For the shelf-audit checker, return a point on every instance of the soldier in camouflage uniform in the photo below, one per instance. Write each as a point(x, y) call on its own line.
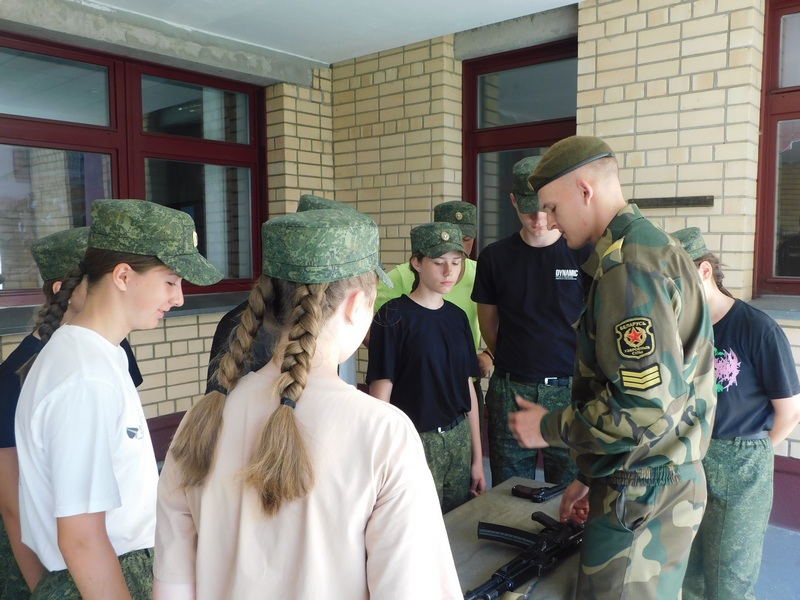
point(88, 474)
point(421, 359)
point(643, 395)
point(758, 406)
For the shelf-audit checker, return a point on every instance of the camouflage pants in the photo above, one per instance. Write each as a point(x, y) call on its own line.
point(726, 554)
point(637, 538)
point(12, 583)
point(506, 458)
point(449, 457)
point(137, 566)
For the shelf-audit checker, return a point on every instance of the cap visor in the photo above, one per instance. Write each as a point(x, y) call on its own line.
point(384, 277)
point(194, 268)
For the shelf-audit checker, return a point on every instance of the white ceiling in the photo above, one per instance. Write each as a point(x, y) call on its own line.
point(329, 30)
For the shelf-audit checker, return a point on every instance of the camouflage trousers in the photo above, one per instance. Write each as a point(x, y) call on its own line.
point(637, 537)
point(449, 457)
point(12, 583)
point(506, 458)
point(137, 567)
point(726, 554)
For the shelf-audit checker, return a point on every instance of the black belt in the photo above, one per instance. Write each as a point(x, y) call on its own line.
point(452, 425)
point(556, 381)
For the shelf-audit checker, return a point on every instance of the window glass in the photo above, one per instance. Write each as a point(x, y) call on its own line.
point(540, 92)
point(787, 204)
point(45, 87)
point(43, 190)
point(218, 198)
point(178, 108)
point(790, 51)
point(497, 218)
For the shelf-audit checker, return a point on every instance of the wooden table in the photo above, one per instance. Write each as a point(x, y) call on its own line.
point(476, 560)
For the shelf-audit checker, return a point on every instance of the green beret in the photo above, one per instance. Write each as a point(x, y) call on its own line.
point(149, 229)
point(58, 253)
point(567, 155)
point(311, 202)
point(527, 199)
point(435, 239)
point(320, 246)
point(461, 214)
point(692, 241)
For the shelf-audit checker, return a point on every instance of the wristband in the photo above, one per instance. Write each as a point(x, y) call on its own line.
point(489, 354)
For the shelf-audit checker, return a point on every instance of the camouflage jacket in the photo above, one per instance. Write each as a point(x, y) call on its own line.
point(643, 389)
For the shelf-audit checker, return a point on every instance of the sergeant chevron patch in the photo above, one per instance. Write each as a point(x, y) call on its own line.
point(641, 380)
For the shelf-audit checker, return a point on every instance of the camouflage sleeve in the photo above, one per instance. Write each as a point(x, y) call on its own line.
point(399, 276)
point(629, 371)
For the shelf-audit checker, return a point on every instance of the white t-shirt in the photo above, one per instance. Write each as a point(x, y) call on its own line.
point(370, 528)
point(83, 445)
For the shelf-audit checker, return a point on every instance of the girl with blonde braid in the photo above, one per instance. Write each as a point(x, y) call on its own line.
point(295, 484)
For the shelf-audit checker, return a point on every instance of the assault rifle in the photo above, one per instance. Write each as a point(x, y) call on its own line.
point(541, 553)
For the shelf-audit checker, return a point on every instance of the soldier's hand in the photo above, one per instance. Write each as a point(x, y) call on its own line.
point(575, 503)
point(525, 424)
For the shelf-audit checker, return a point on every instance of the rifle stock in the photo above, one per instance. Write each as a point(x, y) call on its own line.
point(541, 553)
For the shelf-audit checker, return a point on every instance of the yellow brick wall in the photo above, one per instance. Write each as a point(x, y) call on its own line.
point(397, 139)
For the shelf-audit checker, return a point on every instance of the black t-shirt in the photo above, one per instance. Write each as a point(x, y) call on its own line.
point(10, 385)
point(429, 357)
point(753, 365)
point(539, 294)
point(261, 352)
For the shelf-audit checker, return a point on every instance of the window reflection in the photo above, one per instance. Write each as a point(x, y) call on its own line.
point(43, 190)
point(217, 197)
point(787, 201)
point(178, 108)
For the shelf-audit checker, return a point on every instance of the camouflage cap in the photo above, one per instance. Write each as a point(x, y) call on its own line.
point(149, 229)
point(320, 246)
point(565, 156)
point(58, 253)
point(435, 239)
point(692, 241)
point(461, 214)
point(311, 202)
point(527, 199)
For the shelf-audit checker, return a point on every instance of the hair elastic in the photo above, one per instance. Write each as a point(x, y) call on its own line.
point(82, 267)
point(288, 402)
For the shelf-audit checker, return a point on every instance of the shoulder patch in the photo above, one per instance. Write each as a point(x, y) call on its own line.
point(635, 337)
point(641, 380)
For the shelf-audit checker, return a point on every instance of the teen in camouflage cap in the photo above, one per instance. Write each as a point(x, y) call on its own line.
point(58, 253)
point(149, 229)
point(527, 199)
point(462, 214)
point(692, 241)
point(434, 239)
point(311, 202)
point(321, 245)
point(565, 156)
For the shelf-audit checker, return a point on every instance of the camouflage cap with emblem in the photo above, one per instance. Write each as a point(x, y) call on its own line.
point(565, 156)
point(527, 199)
point(692, 241)
point(435, 239)
point(320, 246)
point(58, 253)
point(461, 214)
point(149, 229)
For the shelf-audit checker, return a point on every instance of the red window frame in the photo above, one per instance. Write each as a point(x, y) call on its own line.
point(507, 137)
point(128, 145)
point(778, 104)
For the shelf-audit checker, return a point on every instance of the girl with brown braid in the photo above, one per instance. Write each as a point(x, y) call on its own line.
point(87, 470)
point(295, 484)
point(57, 257)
